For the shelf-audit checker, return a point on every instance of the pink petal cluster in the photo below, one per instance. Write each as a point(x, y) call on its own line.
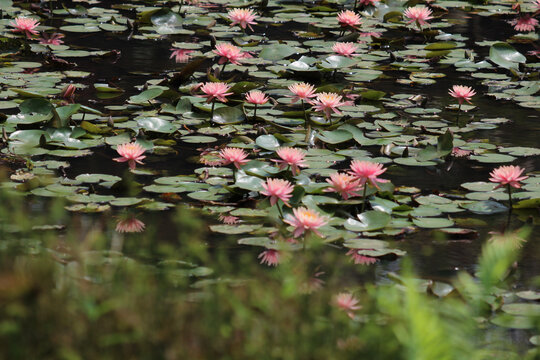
point(361, 259)
point(228, 219)
point(348, 18)
point(181, 55)
point(328, 102)
point(130, 152)
point(278, 189)
point(344, 184)
point(52, 39)
point(68, 92)
point(367, 171)
point(507, 175)
point(130, 225)
point(302, 91)
point(418, 14)
point(347, 302)
point(231, 53)
point(291, 157)
point(305, 220)
point(345, 49)
point(525, 23)
point(242, 17)
point(256, 97)
point(462, 93)
point(270, 257)
point(234, 156)
point(215, 90)
point(25, 25)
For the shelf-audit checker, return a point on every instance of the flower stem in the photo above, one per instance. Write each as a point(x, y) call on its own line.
point(280, 212)
point(255, 113)
point(364, 198)
point(223, 68)
point(212, 111)
point(509, 195)
point(458, 113)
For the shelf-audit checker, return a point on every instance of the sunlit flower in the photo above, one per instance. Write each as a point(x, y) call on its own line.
point(278, 189)
point(367, 171)
point(291, 157)
point(234, 156)
point(345, 184)
point(130, 152)
point(328, 102)
point(347, 302)
point(25, 25)
point(256, 97)
point(270, 257)
point(507, 175)
point(462, 93)
point(361, 259)
point(345, 49)
point(525, 23)
point(349, 18)
point(228, 219)
point(229, 52)
point(242, 17)
point(52, 39)
point(215, 90)
point(302, 91)
point(305, 220)
point(181, 55)
point(130, 225)
point(418, 15)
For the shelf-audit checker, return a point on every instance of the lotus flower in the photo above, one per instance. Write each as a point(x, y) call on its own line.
point(25, 25)
point(270, 257)
point(507, 175)
point(181, 55)
point(256, 97)
point(302, 91)
point(229, 52)
point(418, 15)
point(462, 93)
point(278, 189)
point(361, 259)
point(367, 171)
point(52, 39)
point(347, 302)
point(305, 220)
point(345, 185)
point(328, 102)
point(132, 153)
point(291, 157)
point(345, 49)
point(130, 225)
point(234, 156)
point(525, 23)
point(215, 90)
point(349, 18)
point(243, 17)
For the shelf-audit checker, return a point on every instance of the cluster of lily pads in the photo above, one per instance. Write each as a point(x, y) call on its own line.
point(331, 64)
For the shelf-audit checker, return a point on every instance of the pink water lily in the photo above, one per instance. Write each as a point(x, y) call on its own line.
point(348, 18)
point(525, 23)
point(215, 90)
point(231, 53)
point(270, 257)
point(347, 302)
point(130, 152)
point(418, 14)
point(256, 97)
point(361, 259)
point(181, 55)
point(302, 91)
point(291, 157)
point(328, 102)
point(305, 220)
point(366, 171)
point(242, 17)
point(507, 175)
point(51, 39)
point(25, 25)
point(344, 184)
point(462, 93)
point(130, 225)
point(278, 189)
point(234, 156)
point(345, 49)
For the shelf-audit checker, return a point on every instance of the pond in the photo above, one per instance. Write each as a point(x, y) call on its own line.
point(275, 179)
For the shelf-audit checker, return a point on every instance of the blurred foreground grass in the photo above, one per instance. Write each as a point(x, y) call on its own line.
point(90, 292)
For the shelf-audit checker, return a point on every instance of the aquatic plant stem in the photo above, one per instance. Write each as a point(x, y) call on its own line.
point(255, 113)
point(458, 113)
point(223, 68)
point(364, 198)
point(280, 212)
point(212, 111)
point(509, 195)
